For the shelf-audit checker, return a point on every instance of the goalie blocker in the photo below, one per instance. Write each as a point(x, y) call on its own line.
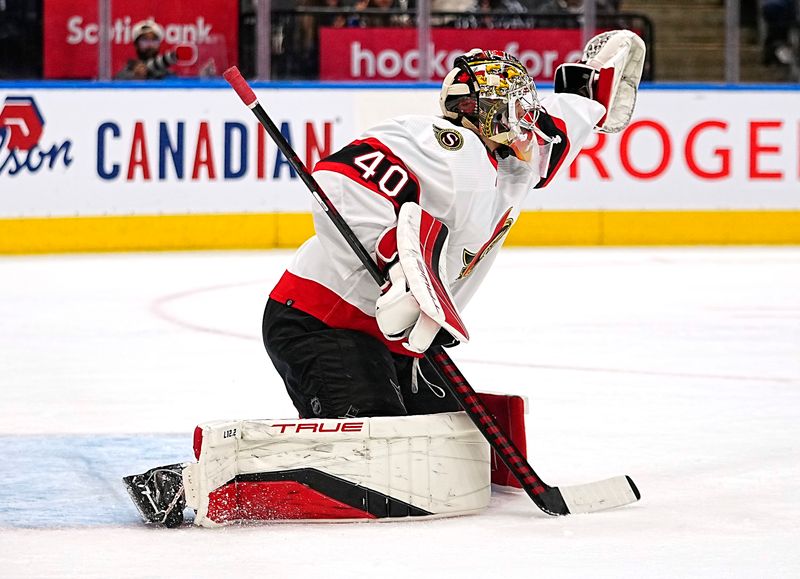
point(416, 303)
point(435, 465)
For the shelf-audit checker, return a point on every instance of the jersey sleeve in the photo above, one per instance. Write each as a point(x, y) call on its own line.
point(367, 182)
point(571, 119)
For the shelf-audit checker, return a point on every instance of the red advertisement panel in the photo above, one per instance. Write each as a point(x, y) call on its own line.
point(391, 53)
point(71, 35)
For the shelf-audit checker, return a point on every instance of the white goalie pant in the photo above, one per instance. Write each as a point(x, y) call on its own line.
point(338, 469)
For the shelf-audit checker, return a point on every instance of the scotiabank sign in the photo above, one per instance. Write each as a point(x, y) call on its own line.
point(72, 34)
point(392, 53)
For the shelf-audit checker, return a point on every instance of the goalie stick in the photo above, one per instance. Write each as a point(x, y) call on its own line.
point(596, 496)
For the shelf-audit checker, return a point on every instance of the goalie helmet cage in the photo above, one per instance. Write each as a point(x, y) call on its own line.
point(600, 495)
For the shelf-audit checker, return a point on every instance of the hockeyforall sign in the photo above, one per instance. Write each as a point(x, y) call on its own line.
point(72, 33)
point(392, 53)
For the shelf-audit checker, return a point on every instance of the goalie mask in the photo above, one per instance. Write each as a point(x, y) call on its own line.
point(490, 92)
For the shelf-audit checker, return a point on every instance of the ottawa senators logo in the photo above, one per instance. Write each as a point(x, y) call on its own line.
point(449, 139)
point(471, 260)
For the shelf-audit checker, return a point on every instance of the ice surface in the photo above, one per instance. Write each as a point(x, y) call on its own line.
point(680, 368)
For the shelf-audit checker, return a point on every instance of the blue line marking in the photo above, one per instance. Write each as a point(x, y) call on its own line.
point(206, 84)
point(22, 85)
point(76, 481)
point(678, 86)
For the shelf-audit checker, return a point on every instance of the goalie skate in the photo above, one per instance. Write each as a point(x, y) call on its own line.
point(158, 494)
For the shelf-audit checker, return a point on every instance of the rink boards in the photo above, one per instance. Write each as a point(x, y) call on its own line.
point(103, 167)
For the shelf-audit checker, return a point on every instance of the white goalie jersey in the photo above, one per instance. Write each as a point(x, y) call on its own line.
point(448, 171)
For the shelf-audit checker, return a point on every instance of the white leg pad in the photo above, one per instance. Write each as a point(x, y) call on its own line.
point(367, 468)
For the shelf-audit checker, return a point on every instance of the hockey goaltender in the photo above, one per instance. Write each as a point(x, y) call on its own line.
point(379, 434)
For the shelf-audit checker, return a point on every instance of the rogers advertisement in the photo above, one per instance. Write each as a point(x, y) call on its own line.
point(71, 35)
point(392, 54)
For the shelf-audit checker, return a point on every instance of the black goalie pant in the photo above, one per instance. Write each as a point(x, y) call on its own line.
point(334, 373)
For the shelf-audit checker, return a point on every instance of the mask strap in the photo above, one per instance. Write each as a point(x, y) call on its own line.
point(474, 85)
point(545, 137)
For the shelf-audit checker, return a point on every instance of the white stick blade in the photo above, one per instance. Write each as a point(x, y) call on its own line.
point(600, 495)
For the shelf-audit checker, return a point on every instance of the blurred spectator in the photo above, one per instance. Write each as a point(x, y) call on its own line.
point(332, 20)
point(371, 20)
point(779, 18)
point(749, 13)
point(571, 6)
point(455, 7)
point(545, 6)
point(20, 39)
point(509, 8)
point(148, 64)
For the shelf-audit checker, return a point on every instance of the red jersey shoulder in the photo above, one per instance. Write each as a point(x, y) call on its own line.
point(372, 164)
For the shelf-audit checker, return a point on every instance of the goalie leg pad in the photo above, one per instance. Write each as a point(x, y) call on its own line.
point(370, 468)
point(509, 413)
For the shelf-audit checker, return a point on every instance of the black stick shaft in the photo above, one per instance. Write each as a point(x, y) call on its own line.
point(547, 498)
point(318, 193)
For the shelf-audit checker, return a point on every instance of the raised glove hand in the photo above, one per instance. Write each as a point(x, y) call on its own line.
point(609, 73)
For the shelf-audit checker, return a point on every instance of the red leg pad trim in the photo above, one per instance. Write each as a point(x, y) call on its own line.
point(198, 441)
point(509, 413)
point(265, 501)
